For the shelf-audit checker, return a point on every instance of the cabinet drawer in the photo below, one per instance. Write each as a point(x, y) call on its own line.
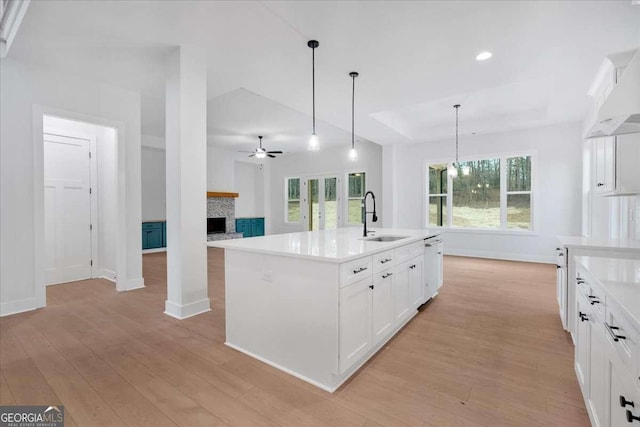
point(352, 271)
point(383, 260)
point(623, 337)
point(593, 293)
point(406, 252)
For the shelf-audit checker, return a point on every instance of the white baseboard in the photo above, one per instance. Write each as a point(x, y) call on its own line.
point(182, 312)
point(506, 256)
point(19, 306)
point(153, 251)
point(108, 274)
point(130, 284)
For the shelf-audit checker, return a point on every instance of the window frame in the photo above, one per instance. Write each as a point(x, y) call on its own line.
point(287, 199)
point(503, 229)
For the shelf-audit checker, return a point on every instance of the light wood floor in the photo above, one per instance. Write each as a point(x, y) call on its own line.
point(488, 351)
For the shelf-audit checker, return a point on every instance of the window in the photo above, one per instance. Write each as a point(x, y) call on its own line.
point(356, 192)
point(438, 194)
point(519, 192)
point(496, 194)
point(293, 200)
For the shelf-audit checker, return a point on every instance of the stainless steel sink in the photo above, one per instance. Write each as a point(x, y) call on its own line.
point(386, 238)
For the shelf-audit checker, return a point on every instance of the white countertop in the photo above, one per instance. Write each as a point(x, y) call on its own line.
point(603, 244)
point(339, 245)
point(621, 280)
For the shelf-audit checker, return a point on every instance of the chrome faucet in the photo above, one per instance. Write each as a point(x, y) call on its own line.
point(374, 218)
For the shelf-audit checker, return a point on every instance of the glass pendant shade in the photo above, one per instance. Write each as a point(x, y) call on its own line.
point(452, 171)
point(314, 143)
point(353, 155)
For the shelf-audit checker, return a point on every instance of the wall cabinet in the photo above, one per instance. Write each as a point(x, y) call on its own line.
point(250, 227)
point(616, 169)
point(154, 235)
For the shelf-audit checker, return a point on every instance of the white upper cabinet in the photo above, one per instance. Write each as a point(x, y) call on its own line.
point(617, 165)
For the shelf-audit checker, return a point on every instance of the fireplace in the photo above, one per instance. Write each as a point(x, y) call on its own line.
point(216, 225)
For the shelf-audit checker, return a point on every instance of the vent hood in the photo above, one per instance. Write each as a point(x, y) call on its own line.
point(620, 112)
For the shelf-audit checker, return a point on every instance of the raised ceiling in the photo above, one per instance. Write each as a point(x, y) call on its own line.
point(415, 59)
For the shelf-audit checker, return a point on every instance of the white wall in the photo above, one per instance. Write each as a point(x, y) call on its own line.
point(245, 186)
point(154, 194)
point(326, 161)
point(25, 90)
point(557, 197)
point(105, 189)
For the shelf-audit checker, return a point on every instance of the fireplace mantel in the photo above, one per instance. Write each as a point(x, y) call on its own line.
point(221, 194)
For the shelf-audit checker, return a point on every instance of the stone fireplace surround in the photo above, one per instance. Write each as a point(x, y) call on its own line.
point(223, 205)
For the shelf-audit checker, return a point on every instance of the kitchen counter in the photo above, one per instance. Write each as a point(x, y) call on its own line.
point(339, 245)
point(620, 279)
point(601, 244)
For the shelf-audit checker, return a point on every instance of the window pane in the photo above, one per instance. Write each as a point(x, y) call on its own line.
point(293, 211)
point(330, 203)
point(355, 211)
point(519, 211)
point(356, 184)
point(438, 179)
point(519, 174)
point(294, 188)
point(438, 210)
point(476, 197)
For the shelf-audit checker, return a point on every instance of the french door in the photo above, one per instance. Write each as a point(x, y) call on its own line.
point(322, 202)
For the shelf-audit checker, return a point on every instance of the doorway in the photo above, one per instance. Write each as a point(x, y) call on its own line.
point(322, 202)
point(80, 200)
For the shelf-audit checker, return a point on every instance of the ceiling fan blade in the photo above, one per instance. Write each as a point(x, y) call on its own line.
point(244, 151)
point(251, 155)
point(274, 152)
point(271, 155)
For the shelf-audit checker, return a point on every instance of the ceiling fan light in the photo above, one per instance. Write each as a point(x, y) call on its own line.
point(353, 154)
point(314, 143)
point(261, 154)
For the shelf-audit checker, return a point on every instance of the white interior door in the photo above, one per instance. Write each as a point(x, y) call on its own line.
point(322, 202)
point(67, 209)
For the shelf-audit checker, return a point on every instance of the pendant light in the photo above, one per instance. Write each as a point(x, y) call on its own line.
point(314, 142)
point(453, 168)
point(353, 153)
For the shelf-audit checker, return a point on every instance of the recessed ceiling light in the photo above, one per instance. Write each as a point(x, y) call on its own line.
point(484, 56)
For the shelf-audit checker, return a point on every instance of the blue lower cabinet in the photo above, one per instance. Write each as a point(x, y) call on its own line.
point(250, 227)
point(257, 227)
point(153, 235)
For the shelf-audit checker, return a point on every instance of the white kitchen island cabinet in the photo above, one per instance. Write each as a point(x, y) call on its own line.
point(319, 304)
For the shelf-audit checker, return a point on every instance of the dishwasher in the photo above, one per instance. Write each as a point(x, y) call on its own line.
point(433, 271)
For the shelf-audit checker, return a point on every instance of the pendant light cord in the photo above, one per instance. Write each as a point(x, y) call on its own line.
point(353, 109)
point(313, 86)
point(456, 107)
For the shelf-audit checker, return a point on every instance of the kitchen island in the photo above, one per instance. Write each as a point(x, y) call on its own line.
point(319, 304)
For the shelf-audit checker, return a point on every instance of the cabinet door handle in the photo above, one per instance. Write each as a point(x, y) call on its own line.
point(583, 316)
point(631, 418)
point(612, 330)
point(384, 276)
point(412, 266)
point(624, 402)
point(359, 270)
point(371, 286)
point(594, 299)
point(600, 184)
point(384, 261)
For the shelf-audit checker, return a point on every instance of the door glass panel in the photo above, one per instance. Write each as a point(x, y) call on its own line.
point(314, 206)
point(330, 203)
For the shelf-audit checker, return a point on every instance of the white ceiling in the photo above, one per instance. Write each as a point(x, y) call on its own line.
point(416, 59)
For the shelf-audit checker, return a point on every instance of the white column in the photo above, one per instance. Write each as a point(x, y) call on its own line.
point(186, 158)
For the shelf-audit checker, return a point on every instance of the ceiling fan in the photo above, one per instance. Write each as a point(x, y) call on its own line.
point(261, 153)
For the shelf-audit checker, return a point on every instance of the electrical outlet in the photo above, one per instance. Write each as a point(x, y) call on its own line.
point(267, 276)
